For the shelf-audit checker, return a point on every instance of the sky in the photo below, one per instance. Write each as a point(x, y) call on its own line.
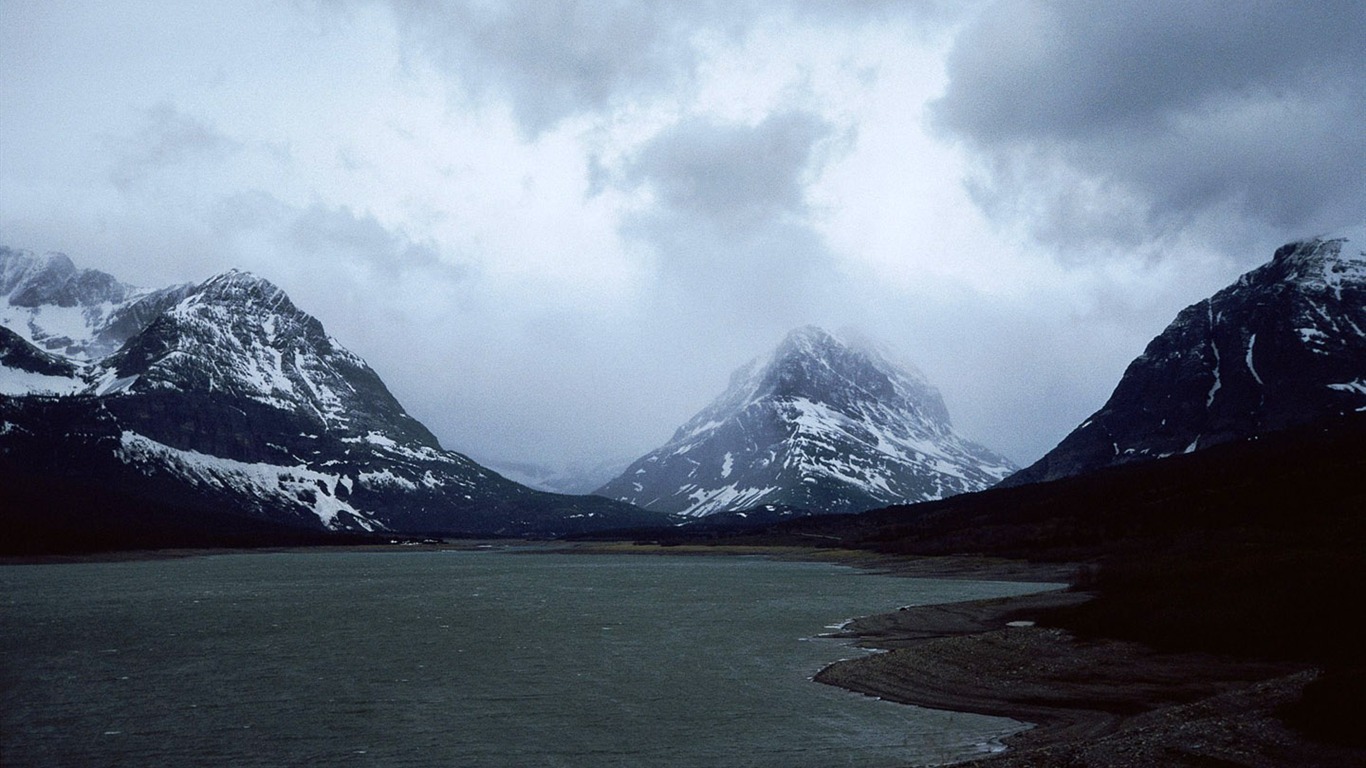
point(554, 228)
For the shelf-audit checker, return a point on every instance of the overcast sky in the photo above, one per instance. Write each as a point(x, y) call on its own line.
point(555, 228)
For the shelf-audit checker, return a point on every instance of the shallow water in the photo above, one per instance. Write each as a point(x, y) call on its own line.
point(455, 659)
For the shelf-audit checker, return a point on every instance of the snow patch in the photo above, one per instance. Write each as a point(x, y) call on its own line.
point(296, 486)
point(1358, 386)
point(16, 382)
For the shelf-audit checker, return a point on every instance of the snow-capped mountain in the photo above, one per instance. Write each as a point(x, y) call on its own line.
point(225, 393)
point(1283, 346)
point(824, 424)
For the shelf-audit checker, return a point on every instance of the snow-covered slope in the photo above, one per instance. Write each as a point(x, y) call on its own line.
point(823, 423)
point(1283, 346)
point(80, 314)
point(228, 393)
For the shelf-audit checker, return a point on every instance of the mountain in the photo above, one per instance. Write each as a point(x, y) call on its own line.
point(80, 314)
point(1283, 346)
point(824, 424)
point(226, 397)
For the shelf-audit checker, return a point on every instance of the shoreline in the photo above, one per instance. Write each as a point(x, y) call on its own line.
point(1089, 702)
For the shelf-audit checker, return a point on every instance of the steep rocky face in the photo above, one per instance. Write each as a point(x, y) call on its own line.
point(227, 394)
point(822, 424)
point(1283, 346)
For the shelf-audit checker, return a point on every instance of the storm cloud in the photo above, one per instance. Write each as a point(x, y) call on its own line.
point(1119, 120)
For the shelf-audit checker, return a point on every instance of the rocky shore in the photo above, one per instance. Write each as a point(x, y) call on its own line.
point(1092, 703)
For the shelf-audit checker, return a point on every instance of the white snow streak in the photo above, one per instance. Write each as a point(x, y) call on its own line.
point(1218, 382)
point(1250, 342)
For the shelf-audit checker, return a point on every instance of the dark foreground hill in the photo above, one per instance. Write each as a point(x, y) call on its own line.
point(1263, 540)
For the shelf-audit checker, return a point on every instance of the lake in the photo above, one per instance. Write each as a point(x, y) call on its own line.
point(456, 658)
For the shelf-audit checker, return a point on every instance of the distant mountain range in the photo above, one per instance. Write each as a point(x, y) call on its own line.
point(573, 477)
point(1283, 346)
point(823, 424)
point(225, 396)
point(208, 412)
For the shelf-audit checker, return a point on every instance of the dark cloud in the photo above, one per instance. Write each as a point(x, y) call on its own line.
point(735, 176)
point(168, 137)
point(554, 59)
point(1118, 120)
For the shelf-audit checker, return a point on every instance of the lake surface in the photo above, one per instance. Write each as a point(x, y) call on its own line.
point(492, 658)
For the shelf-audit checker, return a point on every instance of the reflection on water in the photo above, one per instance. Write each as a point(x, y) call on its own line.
point(454, 659)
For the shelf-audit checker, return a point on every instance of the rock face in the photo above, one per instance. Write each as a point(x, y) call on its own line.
point(822, 424)
point(225, 394)
point(1283, 346)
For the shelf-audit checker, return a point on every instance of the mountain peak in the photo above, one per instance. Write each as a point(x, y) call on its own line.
point(1324, 261)
point(848, 372)
point(1283, 346)
point(52, 279)
point(807, 339)
point(821, 423)
point(239, 283)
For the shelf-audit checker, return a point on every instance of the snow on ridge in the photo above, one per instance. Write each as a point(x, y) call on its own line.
point(14, 381)
point(296, 486)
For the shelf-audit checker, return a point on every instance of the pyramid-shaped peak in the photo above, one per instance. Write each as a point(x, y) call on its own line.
point(807, 337)
point(827, 423)
point(845, 370)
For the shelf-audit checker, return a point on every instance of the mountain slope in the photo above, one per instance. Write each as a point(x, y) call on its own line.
point(822, 424)
point(225, 395)
point(1285, 345)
